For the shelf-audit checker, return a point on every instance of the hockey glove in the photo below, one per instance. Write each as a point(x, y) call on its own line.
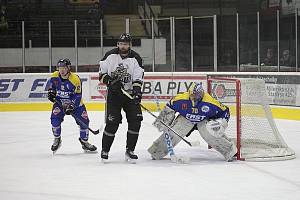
point(69, 109)
point(137, 94)
point(112, 83)
point(115, 85)
point(51, 95)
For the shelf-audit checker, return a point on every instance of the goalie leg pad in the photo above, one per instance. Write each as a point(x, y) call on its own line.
point(159, 148)
point(220, 143)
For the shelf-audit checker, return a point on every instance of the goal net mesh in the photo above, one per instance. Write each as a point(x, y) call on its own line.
point(260, 139)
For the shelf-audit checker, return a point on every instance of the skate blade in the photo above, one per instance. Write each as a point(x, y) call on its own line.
point(104, 161)
point(89, 152)
point(54, 152)
point(129, 160)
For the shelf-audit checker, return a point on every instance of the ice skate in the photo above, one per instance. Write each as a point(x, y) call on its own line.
point(104, 156)
point(56, 144)
point(130, 156)
point(87, 147)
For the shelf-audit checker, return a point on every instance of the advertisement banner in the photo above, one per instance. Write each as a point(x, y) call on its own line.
point(280, 89)
point(162, 87)
point(30, 87)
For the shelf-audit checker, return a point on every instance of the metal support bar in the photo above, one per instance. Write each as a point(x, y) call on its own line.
point(215, 44)
point(23, 46)
point(171, 38)
point(192, 43)
point(50, 46)
point(237, 43)
point(174, 45)
point(153, 44)
point(127, 24)
point(101, 37)
point(76, 47)
point(296, 38)
point(278, 42)
point(258, 42)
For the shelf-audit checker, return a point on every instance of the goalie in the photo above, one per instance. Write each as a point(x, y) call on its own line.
point(194, 110)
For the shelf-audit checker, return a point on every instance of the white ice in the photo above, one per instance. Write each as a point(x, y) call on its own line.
point(29, 171)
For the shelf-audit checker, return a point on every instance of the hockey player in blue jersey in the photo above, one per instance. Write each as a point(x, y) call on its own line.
point(195, 110)
point(66, 93)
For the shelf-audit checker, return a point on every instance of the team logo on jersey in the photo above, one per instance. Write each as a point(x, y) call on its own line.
point(55, 83)
point(62, 87)
point(84, 115)
point(121, 73)
point(204, 108)
point(111, 118)
point(184, 106)
point(56, 111)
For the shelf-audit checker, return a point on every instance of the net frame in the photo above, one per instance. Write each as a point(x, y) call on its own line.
point(283, 152)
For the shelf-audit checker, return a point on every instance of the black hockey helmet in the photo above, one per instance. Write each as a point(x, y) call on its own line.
point(64, 63)
point(125, 37)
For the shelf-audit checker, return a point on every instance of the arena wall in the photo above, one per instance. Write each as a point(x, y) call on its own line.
point(28, 92)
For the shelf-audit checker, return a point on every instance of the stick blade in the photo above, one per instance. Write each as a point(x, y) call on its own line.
point(95, 132)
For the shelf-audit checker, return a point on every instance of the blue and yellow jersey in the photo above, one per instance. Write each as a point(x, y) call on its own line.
point(67, 90)
point(196, 111)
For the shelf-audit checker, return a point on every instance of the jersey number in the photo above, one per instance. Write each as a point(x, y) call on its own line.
point(194, 110)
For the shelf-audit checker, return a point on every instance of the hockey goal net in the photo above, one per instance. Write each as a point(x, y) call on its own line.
point(251, 125)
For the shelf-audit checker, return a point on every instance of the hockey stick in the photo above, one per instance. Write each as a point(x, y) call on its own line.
point(174, 158)
point(80, 121)
point(166, 125)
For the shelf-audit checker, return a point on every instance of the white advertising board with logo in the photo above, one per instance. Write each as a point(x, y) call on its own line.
point(281, 89)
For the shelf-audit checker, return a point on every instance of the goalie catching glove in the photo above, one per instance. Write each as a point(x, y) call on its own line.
point(217, 127)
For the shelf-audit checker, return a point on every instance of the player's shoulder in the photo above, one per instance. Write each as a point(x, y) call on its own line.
point(134, 54)
point(180, 97)
point(74, 79)
point(114, 51)
point(55, 74)
point(209, 99)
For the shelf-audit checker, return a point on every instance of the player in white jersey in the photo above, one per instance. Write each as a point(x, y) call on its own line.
point(121, 69)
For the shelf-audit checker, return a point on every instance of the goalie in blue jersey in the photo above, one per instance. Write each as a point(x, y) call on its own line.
point(65, 92)
point(195, 110)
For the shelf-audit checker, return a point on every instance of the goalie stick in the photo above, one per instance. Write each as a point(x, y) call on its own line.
point(166, 125)
point(174, 158)
point(80, 121)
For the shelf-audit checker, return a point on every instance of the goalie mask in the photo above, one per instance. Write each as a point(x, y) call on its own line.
point(196, 91)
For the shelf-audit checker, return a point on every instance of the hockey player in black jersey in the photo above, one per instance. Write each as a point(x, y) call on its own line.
point(122, 68)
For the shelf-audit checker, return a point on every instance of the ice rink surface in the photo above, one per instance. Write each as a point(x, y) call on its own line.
point(29, 171)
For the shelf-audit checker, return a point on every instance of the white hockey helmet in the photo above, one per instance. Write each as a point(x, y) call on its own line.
point(196, 91)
